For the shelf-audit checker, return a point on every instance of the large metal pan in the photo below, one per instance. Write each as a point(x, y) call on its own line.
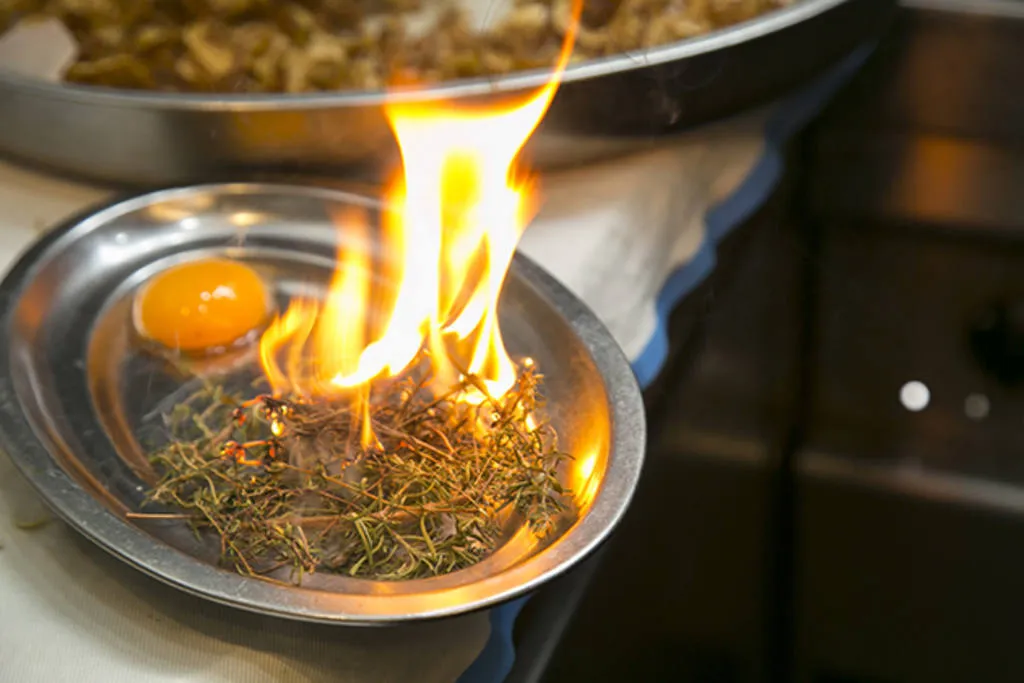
point(605, 107)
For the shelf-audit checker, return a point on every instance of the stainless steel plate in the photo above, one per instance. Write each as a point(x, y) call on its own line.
point(76, 390)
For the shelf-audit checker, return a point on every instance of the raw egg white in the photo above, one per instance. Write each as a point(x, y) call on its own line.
point(202, 306)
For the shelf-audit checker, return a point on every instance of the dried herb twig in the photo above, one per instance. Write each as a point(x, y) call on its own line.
point(287, 482)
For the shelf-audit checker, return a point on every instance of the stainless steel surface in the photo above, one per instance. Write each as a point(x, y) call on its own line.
point(606, 107)
point(74, 391)
point(957, 183)
point(908, 523)
point(907, 559)
point(929, 131)
point(1010, 9)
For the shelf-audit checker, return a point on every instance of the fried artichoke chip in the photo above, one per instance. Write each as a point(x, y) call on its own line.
point(115, 71)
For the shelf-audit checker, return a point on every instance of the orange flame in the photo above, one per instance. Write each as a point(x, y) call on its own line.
point(456, 217)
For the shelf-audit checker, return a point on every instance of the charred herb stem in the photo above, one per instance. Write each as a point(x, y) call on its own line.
point(285, 482)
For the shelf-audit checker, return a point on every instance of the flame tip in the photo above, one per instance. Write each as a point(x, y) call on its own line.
point(455, 216)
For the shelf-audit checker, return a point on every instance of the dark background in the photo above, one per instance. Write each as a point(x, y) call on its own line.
point(795, 522)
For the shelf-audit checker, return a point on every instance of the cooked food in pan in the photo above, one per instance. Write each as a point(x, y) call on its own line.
point(295, 46)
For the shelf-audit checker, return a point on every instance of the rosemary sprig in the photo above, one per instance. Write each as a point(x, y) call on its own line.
point(287, 482)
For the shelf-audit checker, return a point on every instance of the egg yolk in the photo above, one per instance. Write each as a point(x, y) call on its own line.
point(202, 306)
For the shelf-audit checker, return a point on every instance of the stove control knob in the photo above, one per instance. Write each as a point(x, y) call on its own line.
point(997, 341)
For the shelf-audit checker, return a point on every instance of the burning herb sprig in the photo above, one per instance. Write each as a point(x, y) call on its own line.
point(289, 483)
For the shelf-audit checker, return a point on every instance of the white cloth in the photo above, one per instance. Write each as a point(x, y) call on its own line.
point(614, 232)
point(611, 232)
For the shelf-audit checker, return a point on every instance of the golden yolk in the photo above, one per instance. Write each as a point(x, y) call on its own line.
point(202, 305)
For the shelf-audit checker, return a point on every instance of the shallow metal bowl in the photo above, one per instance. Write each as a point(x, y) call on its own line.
point(605, 107)
point(75, 389)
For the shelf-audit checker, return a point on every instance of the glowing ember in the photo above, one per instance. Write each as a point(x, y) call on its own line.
point(457, 214)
